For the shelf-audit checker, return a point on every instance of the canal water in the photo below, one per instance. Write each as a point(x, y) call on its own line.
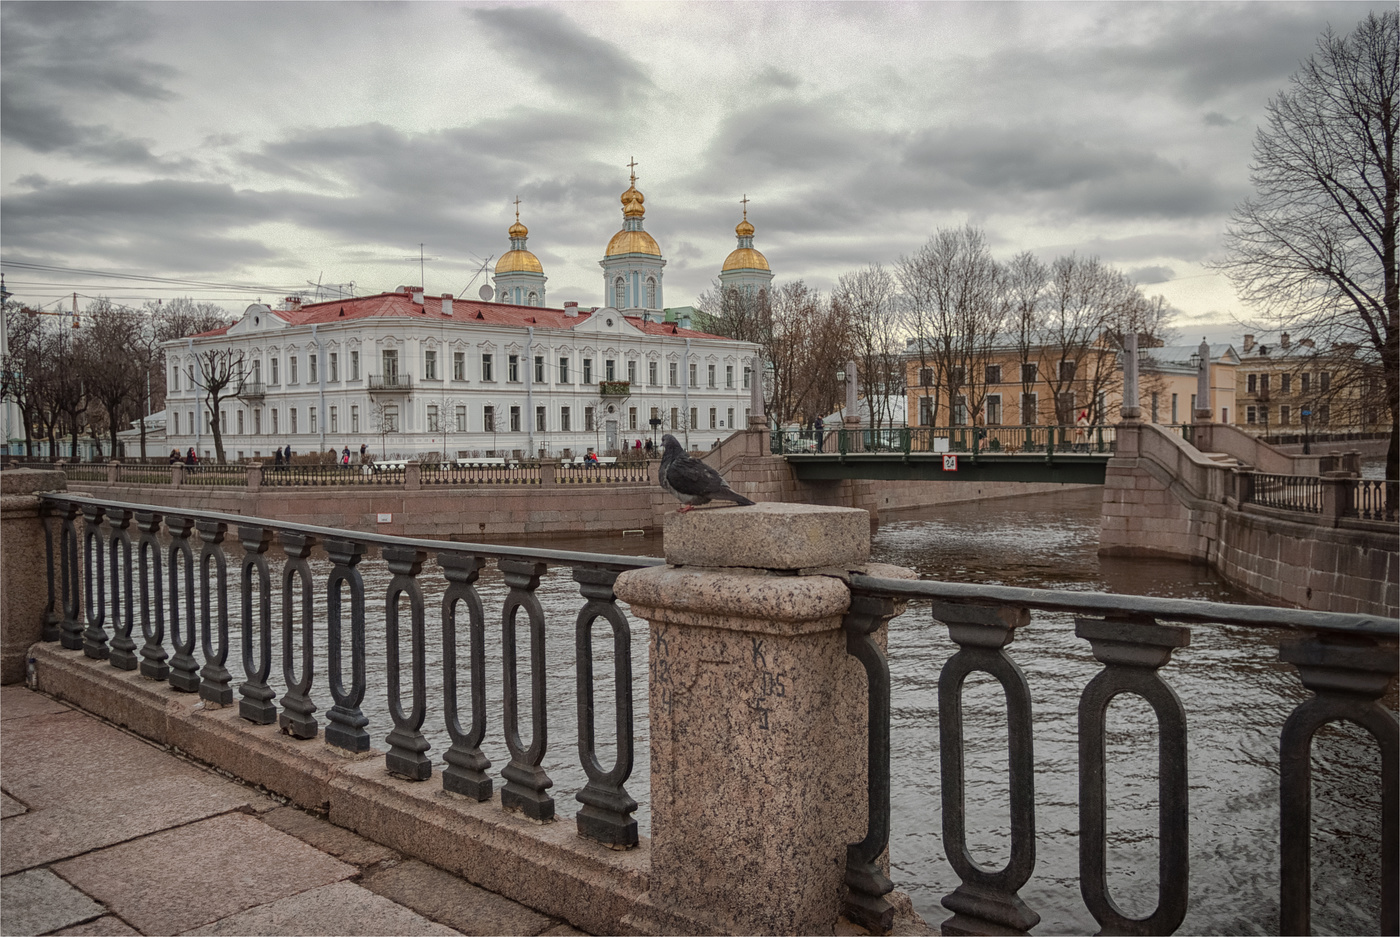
point(1235, 692)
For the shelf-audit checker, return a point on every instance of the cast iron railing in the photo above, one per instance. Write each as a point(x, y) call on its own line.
point(992, 440)
point(1302, 493)
point(318, 476)
point(468, 473)
point(160, 605)
point(619, 473)
point(1348, 662)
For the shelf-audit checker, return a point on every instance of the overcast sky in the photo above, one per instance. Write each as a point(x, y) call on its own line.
point(268, 144)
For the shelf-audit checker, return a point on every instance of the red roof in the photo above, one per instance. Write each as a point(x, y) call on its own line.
point(388, 305)
point(218, 331)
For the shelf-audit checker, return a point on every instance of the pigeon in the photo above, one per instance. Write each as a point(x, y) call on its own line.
point(690, 480)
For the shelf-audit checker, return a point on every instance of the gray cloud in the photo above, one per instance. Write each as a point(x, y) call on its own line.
point(1146, 276)
point(547, 44)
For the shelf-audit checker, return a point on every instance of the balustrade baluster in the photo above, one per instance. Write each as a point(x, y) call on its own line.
point(466, 765)
point(53, 618)
point(153, 656)
point(866, 880)
point(296, 719)
point(345, 723)
point(121, 652)
point(406, 742)
point(215, 683)
point(606, 815)
point(526, 781)
point(256, 705)
point(1132, 651)
point(1348, 681)
point(94, 636)
point(71, 628)
point(986, 897)
point(184, 669)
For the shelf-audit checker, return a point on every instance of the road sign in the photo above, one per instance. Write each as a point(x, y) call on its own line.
point(950, 463)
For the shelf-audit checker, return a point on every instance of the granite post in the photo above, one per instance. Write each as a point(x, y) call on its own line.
point(23, 575)
point(757, 714)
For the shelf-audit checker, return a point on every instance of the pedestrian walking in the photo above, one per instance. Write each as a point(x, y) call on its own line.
point(345, 458)
point(820, 427)
point(287, 454)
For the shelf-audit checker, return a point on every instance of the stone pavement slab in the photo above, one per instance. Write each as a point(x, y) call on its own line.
point(18, 702)
point(106, 926)
point(329, 838)
point(457, 903)
point(180, 879)
point(37, 901)
point(9, 807)
point(339, 908)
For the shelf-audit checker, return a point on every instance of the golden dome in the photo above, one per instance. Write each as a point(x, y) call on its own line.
point(743, 228)
point(631, 242)
point(519, 261)
point(633, 202)
point(518, 230)
point(745, 258)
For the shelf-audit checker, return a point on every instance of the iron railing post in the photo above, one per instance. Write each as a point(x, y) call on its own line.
point(215, 684)
point(257, 703)
point(407, 743)
point(94, 591)
point(184, 669)
point(345, 722)
point(526, 781)
point(296, 719)
point(466, 765)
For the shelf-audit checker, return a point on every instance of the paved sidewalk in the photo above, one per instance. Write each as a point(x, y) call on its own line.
point(105, 833)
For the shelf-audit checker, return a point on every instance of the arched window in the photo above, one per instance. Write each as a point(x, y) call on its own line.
point(533, 299)
point(651, 292)
point(619, 293)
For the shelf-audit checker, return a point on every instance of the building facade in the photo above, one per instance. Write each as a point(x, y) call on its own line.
point(1292, 388)
point(410, 375)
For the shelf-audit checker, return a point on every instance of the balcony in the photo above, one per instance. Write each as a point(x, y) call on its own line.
point(252, 390)
point(615, 388)
point(390, 383)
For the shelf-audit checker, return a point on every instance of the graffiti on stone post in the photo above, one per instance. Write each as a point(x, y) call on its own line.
point(767, 683)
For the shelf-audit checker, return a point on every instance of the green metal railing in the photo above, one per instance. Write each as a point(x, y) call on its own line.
point(1008, 440)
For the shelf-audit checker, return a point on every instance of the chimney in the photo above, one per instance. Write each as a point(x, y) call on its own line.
point(1306, 342)
point(571, 310)
point(417, 297)
point(1283, 340)
point(447, 304)
point(1248, 344)
point(402, 289)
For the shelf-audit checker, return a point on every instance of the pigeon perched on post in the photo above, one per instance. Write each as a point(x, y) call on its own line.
point(690, 480)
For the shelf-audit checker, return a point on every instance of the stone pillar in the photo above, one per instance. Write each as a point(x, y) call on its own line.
point(114, 469)
point(549, 470)
point(1130, 410)
point(757, 715)
point(24, 592)
point(177, 474)
point(757, 418)
point(1336, 497)
point(254, 476)
point(1203, 412)
point(412, 477)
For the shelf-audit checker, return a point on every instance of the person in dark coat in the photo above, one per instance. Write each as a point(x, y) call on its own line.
point(175, 456)
point(191, 458)
point(277, 458)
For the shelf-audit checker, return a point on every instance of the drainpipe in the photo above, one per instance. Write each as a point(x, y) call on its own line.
point(320, 386)
point(530, 386)
point(685, 384)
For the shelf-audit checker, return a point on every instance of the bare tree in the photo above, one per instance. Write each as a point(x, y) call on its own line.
point(1024, 279)
point(1315, 248)
point(866, 302)
point(22, 367)
point(107, 351)
point(220, 374)
point(1088, 305)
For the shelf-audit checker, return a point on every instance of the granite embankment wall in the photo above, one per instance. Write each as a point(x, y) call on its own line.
point(1162, 497)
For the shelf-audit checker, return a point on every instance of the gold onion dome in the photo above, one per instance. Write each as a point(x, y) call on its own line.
point(744, 229)
point(519, 261)
point(518, 230)
point(745, 258)
point(632, 239)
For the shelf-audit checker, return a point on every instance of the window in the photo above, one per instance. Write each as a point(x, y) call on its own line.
point(390, 360)
point(748, 372)
point(959, 376)
point(176, 417)
point(240, 422)
point(651, 293)
point(1324, 412)
point(1263, 416)
point(175, 378)
point(631, 417)
point(653, 377)
point(563, 370)
point(1263, 384)
point(564, 420)
point(925, 411)
point(1251, 385)
point(513, 369)
point(1028, 373)
point(311, 419)
point(515, 419)
point(631, 372)
point(730, 413)
point(391, 419)
point(354, 365)
point(588, 419)
point(695, 417)
point(610, 370)
point(714, 420)
point(710, 375)
point(430, 365)
point(672, 370)
point(1285, 382)
point(1307, 383)
point(292, 369)
point(1067, 370)
point(488, 419)
point(292, 420)
point(959, 414)
point(275, 430)
point(1030, 408)
point(729, 377)
point(487, 371)
point(588, 370)
point(539, 369)
point(461, 419)
point(619, 299)
point(692, 378)
point(257, 370)
point(675, 418)
point(1324, 380)
point(334, 362)
point(434, 425)
point(459, 366)
point(1064, 407)
point(993, 375)
point(272, 370)
point(994, 409)
point(354, 418)
point(257, 421)
point(539, 419)
point(1174, 399)
point(1249, 414)
point(1285, 414)
point(311, 369)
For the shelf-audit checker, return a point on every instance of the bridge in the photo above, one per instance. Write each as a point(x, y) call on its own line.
point(770, 789)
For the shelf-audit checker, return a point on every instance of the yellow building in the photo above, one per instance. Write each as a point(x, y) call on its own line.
point(1289, 388)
